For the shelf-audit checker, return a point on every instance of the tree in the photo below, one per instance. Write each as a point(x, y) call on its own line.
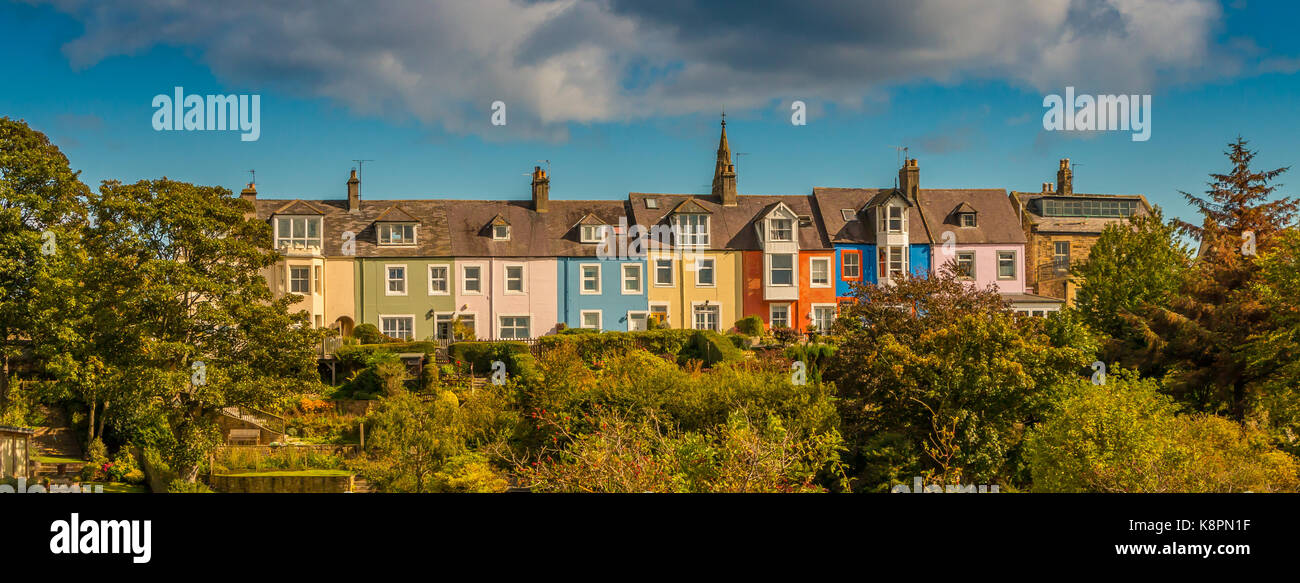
point(1125, 436)
point(184, 313)
point(934, 370)
point(1272, 356)
point(1197, 339)
point(1131, 269)
point(42, 209)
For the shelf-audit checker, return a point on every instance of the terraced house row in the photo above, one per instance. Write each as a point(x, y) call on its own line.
point(512, 269)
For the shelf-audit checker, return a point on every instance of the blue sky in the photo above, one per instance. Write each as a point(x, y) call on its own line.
point(624, 98)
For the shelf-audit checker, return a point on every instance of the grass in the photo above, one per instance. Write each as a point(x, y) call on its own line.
point(59, 460)
point(292, 473)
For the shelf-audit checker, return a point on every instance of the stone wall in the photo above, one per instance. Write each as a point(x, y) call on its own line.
point(286, 484)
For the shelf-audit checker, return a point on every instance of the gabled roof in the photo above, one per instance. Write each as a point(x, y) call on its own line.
point(298, 207)
point(590, 219)
point(884, 195)
point(565, 218)
point(433, 240)
point(862, 230)
point(396, 214)
point(730, 227)
point(499, 220)
point(690, 206)
point(964, 207)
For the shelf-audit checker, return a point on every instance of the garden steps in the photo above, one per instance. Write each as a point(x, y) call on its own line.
point(362, 486)
point(56, 439)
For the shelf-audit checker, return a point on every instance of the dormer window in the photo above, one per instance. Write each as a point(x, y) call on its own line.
point(692, 230)
point(781, 229)
point(652, 203)
point(966, 219)
point(848, 215)
point(397, 234)
point(297, 233)
point(891, 219)
point(594, 233)
point(500, 232)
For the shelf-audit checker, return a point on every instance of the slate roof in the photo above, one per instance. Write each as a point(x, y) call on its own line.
point(432, 240)
point(831, 200)
point(997, 223)
point(564, 220)
point(732, 227)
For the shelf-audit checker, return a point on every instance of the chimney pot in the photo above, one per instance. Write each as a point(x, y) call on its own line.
point(354, 192)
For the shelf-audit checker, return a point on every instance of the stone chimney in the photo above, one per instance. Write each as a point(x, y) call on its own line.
point(1049, 188)
point(1065, 178)
point(541, 190)
point(724, 172)
point(909, 180)
point(249, 193)
point(354, 192)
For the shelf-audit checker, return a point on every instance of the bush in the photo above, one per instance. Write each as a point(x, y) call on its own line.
point(368, 334)
point(710, 348)
point(750, 326)
point(480, 355)
point(785, 335)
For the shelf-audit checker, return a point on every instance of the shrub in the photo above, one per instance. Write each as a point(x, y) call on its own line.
point(750, 326)
point(785, 335)
point(480, 355)
point(368, 334)
point(710, 348)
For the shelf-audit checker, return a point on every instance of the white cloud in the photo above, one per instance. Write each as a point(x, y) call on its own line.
point(555, 62)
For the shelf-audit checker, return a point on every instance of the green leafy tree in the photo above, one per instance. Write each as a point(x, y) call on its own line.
point(186, 313)
point(424, 446)
point(1132, 268)
point(1272, 356)
point(42, 212)
point(1125, 436)
point(951, 374)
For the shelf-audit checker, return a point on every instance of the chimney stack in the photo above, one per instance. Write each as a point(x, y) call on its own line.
point(1065, 178)
point(909, 180)
point(354, 193)
point(541, 190)
point(249, 193)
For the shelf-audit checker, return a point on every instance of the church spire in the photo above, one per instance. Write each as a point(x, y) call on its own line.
point(724, 172)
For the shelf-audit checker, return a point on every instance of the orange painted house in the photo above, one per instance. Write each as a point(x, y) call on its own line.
point(787, 265)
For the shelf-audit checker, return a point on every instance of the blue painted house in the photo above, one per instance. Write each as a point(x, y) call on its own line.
point(597, 284)
point(878, 233)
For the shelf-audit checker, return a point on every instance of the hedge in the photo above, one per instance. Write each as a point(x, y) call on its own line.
point(480, 355)
point(594, 347)
point(710, 347)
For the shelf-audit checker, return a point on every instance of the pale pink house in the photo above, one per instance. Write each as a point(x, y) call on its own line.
point(977, 233)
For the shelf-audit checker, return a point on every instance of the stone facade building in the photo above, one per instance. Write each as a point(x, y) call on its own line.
point(1061, 227)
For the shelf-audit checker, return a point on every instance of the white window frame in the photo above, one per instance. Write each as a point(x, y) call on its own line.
point(812, 321)
point(887, 218)
point(962, 220)
point(715, 308)
point(886, 274)
point(640, 279)
point(528, 328)
point(465, 279)
point(692, 229)
point(306, 282)
point(304, 242)
point(473, 315)
point(410, 317)
point(713, 271)
point(771, 269)
point(582, 279)
point(848, 215)
point(773, 230)
point(672, 273)
point(812, 273)
point(388, 227)
point(1014, 264)
point(593, 233)
point(451, 325)
point(496, 237)
point(600, 319)
point(505, 279)
point(446, 280)
point(388, 279)
point(771, 315)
